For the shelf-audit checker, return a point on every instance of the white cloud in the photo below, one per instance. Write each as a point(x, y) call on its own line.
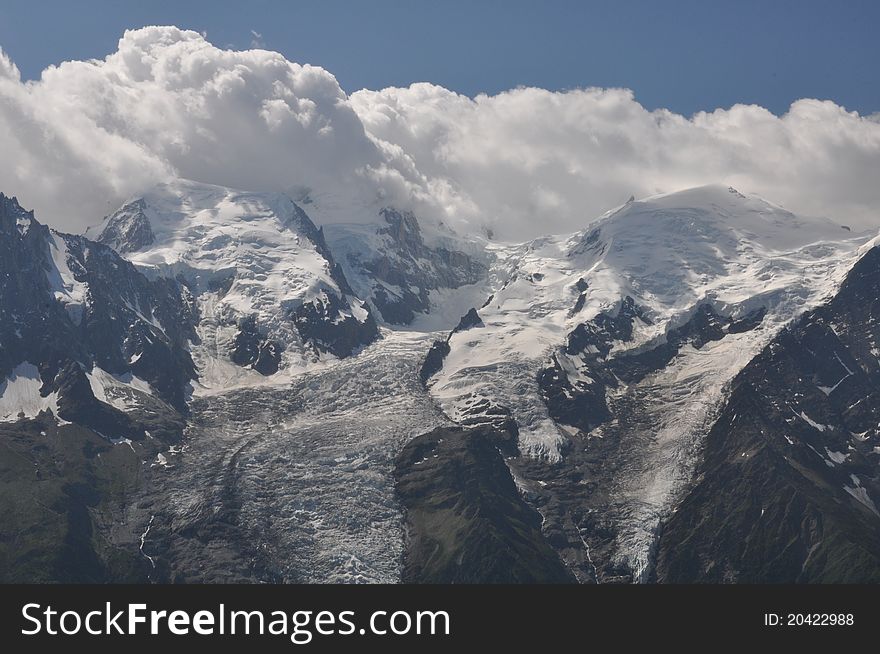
point(524, 162)
point(61, 163)
point(168, 102)
point(535, 160)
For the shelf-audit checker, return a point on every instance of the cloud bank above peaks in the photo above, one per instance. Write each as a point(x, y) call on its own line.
point(523, 163)
point(167, 102)
point(548, 160)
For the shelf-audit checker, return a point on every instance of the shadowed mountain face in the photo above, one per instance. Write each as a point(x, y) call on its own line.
point(68, 304)
point(465, 518)
point(789, 484)
point(93, 374)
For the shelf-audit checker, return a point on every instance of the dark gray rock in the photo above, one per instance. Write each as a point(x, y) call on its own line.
point(250, 348)
point(466, 522)
point(402, 274)
point(581, 403)
point(128, 229)
point(319, 324)
point(800, 427)
point(468, 321)
point(433, 362)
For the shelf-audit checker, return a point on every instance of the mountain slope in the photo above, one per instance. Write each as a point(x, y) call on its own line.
point(412, 273)
point(611, 349)
point(788, 487)
point(270, 294)
point(466, 522)
point(220, 404)
point(94, 371)
point(80, 326)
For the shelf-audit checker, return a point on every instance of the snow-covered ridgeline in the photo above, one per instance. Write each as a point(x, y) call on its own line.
point(670, 253)
point(244, 255)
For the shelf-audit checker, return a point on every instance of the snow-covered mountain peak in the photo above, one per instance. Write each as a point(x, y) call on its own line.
point(696, 215)
point(200, 229)
point(261, 270)
point(710, 242)
point(663, 257)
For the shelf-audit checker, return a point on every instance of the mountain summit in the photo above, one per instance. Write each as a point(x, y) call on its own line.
point(269, 293)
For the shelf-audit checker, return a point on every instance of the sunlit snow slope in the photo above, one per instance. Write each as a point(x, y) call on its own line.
point(269, 294)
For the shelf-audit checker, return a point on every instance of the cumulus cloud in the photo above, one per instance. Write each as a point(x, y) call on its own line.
point(531, 159)
point(167, 102)
point(60, 162)
point(525, 162)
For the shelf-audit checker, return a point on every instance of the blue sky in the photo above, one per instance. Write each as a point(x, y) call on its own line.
point(685, 56)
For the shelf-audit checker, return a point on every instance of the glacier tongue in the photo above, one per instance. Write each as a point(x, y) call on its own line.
point(302, 469)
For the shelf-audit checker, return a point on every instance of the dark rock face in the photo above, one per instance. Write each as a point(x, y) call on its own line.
point(125, 323)
point(433, 362)
point(789, 484)
point(483, 412)
point(405, 272)
point(591, 242)
point(319, 324)
point(468, 321)
point(703, 327)
point(466, 521)
point(268, 358)
point(582, 287)
point(66, 505)
point(604, 329)
point(581, 403)
point(122, 338)
point(27, 304)
point(252, 349)
point(77, 404)
point(128, 229)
